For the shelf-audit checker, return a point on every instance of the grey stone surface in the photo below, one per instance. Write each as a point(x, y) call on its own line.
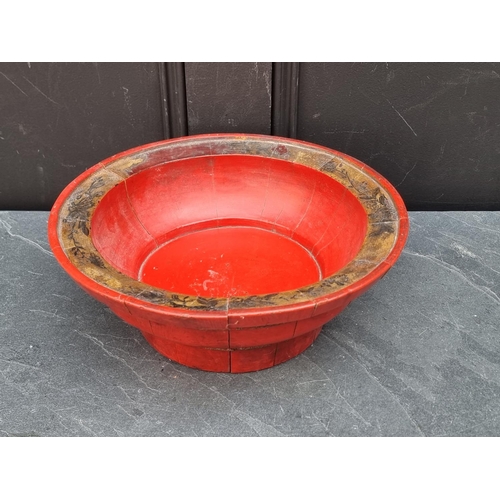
point(417, 355)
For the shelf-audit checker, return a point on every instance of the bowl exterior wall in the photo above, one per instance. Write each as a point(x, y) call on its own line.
point(227, 349)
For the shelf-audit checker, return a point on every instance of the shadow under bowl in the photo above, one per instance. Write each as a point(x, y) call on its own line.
point(228, 252)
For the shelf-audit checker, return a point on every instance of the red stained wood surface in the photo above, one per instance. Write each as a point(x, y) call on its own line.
point(226, 227)
point(212, 360)
point(282, 225)
point(293, 347)
point(247, 337)
point(230, 261)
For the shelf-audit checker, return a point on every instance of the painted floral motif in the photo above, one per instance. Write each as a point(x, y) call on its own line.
point(78, 208)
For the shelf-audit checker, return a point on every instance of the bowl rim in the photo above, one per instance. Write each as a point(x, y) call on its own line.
point(69, 223)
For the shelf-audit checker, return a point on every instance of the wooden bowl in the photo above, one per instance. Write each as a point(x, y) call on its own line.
point(229, 252)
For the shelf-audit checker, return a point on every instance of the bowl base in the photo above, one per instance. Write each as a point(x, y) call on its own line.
point(230, 261)
point(232, 360)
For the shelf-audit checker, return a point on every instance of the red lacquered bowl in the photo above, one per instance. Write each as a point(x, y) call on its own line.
point(229, 252)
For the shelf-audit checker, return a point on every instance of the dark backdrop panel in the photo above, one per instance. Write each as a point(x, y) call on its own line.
point(58, 119)
point(433, 129)
point(228, 97)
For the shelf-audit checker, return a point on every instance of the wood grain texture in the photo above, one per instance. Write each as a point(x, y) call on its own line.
point(173, 99)
point(229, 97)
point(432, 129)
point(285, 99)
point(58, 119)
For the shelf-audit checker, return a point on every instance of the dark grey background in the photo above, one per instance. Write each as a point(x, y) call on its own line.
point(416, 355)
point(433, 129)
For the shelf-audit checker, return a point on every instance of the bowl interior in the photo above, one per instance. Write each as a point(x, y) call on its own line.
point(229, 225)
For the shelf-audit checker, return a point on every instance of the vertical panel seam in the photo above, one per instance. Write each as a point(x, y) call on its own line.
point(162, 72)
point(173, 99)
point(285, 96)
